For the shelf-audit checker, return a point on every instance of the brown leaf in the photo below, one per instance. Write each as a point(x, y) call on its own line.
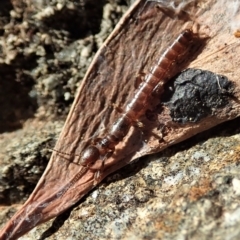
point(140, 38)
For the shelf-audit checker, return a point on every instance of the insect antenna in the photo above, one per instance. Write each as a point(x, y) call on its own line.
point(63, 153)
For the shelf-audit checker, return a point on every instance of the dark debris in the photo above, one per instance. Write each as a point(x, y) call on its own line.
point(197, 94)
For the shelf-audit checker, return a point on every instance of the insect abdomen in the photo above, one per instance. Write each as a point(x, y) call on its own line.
point(164, 69)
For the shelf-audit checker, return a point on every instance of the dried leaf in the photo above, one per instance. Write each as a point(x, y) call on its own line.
point(140, 37)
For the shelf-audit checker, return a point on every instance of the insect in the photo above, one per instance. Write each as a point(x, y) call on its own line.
point(94, 156)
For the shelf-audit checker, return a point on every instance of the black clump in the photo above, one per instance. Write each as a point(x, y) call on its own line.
point(197, 94)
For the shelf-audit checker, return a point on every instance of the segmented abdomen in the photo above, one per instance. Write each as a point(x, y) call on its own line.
point(159, 74)
point(164, 69)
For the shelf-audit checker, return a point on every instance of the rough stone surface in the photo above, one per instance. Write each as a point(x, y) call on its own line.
point(188, 191)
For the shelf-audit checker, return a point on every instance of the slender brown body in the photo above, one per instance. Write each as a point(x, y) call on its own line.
point(159, 74)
